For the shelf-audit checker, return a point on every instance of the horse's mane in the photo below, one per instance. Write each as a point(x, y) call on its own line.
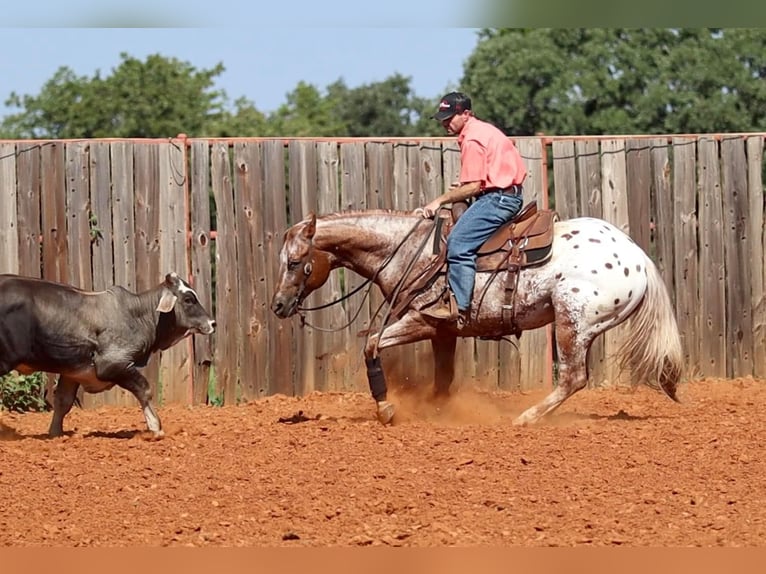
point(366, 212)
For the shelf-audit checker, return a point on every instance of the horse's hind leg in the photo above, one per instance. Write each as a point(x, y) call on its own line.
point(444, 364)
point(572, 347)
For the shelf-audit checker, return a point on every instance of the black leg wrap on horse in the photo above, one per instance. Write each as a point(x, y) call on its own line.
point(376, 379)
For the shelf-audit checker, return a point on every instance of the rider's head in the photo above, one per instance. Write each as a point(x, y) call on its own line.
point(453, 111)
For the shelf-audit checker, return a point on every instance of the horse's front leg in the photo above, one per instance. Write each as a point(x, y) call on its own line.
point(409, 329)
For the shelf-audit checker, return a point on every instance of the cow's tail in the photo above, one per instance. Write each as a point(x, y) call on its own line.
point(652, 352)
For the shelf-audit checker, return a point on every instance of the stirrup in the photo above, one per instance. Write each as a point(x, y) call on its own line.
point(441, 309)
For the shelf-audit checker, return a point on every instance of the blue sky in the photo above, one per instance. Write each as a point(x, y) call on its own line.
point(267, 48)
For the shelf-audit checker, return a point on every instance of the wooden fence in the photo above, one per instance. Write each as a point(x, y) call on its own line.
point(98, 212)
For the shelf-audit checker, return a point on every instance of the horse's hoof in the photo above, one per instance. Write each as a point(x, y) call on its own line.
point(385, 412)
point(157, 435)
point(521, 421)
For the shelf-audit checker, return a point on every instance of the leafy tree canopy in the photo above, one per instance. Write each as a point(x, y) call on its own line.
point(159, 97)
point(597, 81)
point(555, 81)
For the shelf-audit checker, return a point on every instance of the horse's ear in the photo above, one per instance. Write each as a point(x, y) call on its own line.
point(311, 225)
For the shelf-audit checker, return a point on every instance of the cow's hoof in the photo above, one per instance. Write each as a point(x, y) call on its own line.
point(385, 412)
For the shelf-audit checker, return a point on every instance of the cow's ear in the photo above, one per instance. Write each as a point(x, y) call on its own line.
point(171, 279)
point(167, 301)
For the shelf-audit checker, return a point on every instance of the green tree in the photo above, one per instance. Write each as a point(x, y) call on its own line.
point(243, 121)
point(388, 108)
point(158, 97)
point(380, 109)
point(306, 113)
point(594, 81)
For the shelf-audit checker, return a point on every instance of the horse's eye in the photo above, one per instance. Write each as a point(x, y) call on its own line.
point(293, 265)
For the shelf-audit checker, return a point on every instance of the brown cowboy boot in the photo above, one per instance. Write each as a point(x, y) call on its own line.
point(463, 318)
point(442, 309)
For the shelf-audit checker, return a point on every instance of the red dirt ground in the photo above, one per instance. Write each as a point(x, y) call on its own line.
point(610, 468)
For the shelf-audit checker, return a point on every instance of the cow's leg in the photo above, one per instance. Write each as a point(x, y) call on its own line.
point(137, 384)
point(63, 399)
point(130, 379)
point(408, 329)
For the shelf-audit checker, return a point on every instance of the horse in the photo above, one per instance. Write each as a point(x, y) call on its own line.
point(595, 278)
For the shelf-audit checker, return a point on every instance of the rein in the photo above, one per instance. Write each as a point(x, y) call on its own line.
point(367, 283)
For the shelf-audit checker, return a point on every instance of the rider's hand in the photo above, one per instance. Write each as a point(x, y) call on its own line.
point(429, 210)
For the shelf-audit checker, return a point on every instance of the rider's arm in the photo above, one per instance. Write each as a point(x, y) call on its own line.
point(460, 192)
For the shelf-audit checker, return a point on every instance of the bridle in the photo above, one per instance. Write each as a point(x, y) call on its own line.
point(308, 268)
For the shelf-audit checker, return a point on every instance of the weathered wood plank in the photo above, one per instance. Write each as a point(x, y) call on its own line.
point(757, 252)
point(123, 239)
point(28, 213)
point(281, 341)
point(686, 253)
point(615, 204)
point(353, 189)
point(565, 179)
point(712, 269)
point(123, 216)
point(638, 160)
point(304, 183)
point(380, 195)
point(146, 173)
point(78, 214)
point(248, 193)
point(101, 209)
point(9, 225)
point(663, 211)
point(176, 362)
point(101, 255)
point(589, 178)
point(380, 179)
point(146, 189)
point(201, 260)
point(227, 314)
point(589, 184)
point(739, 324)
point(533, 344)
point(53, 214)
point(53, 222)
point(330, 349)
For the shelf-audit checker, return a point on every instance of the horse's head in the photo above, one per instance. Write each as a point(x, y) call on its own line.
point(302, 268)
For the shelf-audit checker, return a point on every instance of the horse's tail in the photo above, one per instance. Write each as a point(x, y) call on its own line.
point(652, 351)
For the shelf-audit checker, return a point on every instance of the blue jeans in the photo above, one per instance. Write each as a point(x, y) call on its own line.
point(475, 226)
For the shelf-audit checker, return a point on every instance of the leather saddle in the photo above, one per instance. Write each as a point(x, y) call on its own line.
point(524, 241)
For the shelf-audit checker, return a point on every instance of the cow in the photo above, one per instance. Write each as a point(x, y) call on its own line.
point(94, 340)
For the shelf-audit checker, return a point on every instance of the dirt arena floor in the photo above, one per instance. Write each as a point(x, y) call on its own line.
point(610, 468)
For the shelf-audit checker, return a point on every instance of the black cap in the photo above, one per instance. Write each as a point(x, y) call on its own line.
point(451, 104)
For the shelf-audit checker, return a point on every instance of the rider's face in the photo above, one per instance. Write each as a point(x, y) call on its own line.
point(454, 125)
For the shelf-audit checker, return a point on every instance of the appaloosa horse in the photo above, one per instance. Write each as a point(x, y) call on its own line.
point(595, 279)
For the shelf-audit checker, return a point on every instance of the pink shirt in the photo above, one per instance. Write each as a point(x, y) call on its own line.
point(488, 156)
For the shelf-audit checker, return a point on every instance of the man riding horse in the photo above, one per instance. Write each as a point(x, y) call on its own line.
point(491, 172)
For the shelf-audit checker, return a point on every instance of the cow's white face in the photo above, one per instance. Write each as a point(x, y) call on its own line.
point(179, 298)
